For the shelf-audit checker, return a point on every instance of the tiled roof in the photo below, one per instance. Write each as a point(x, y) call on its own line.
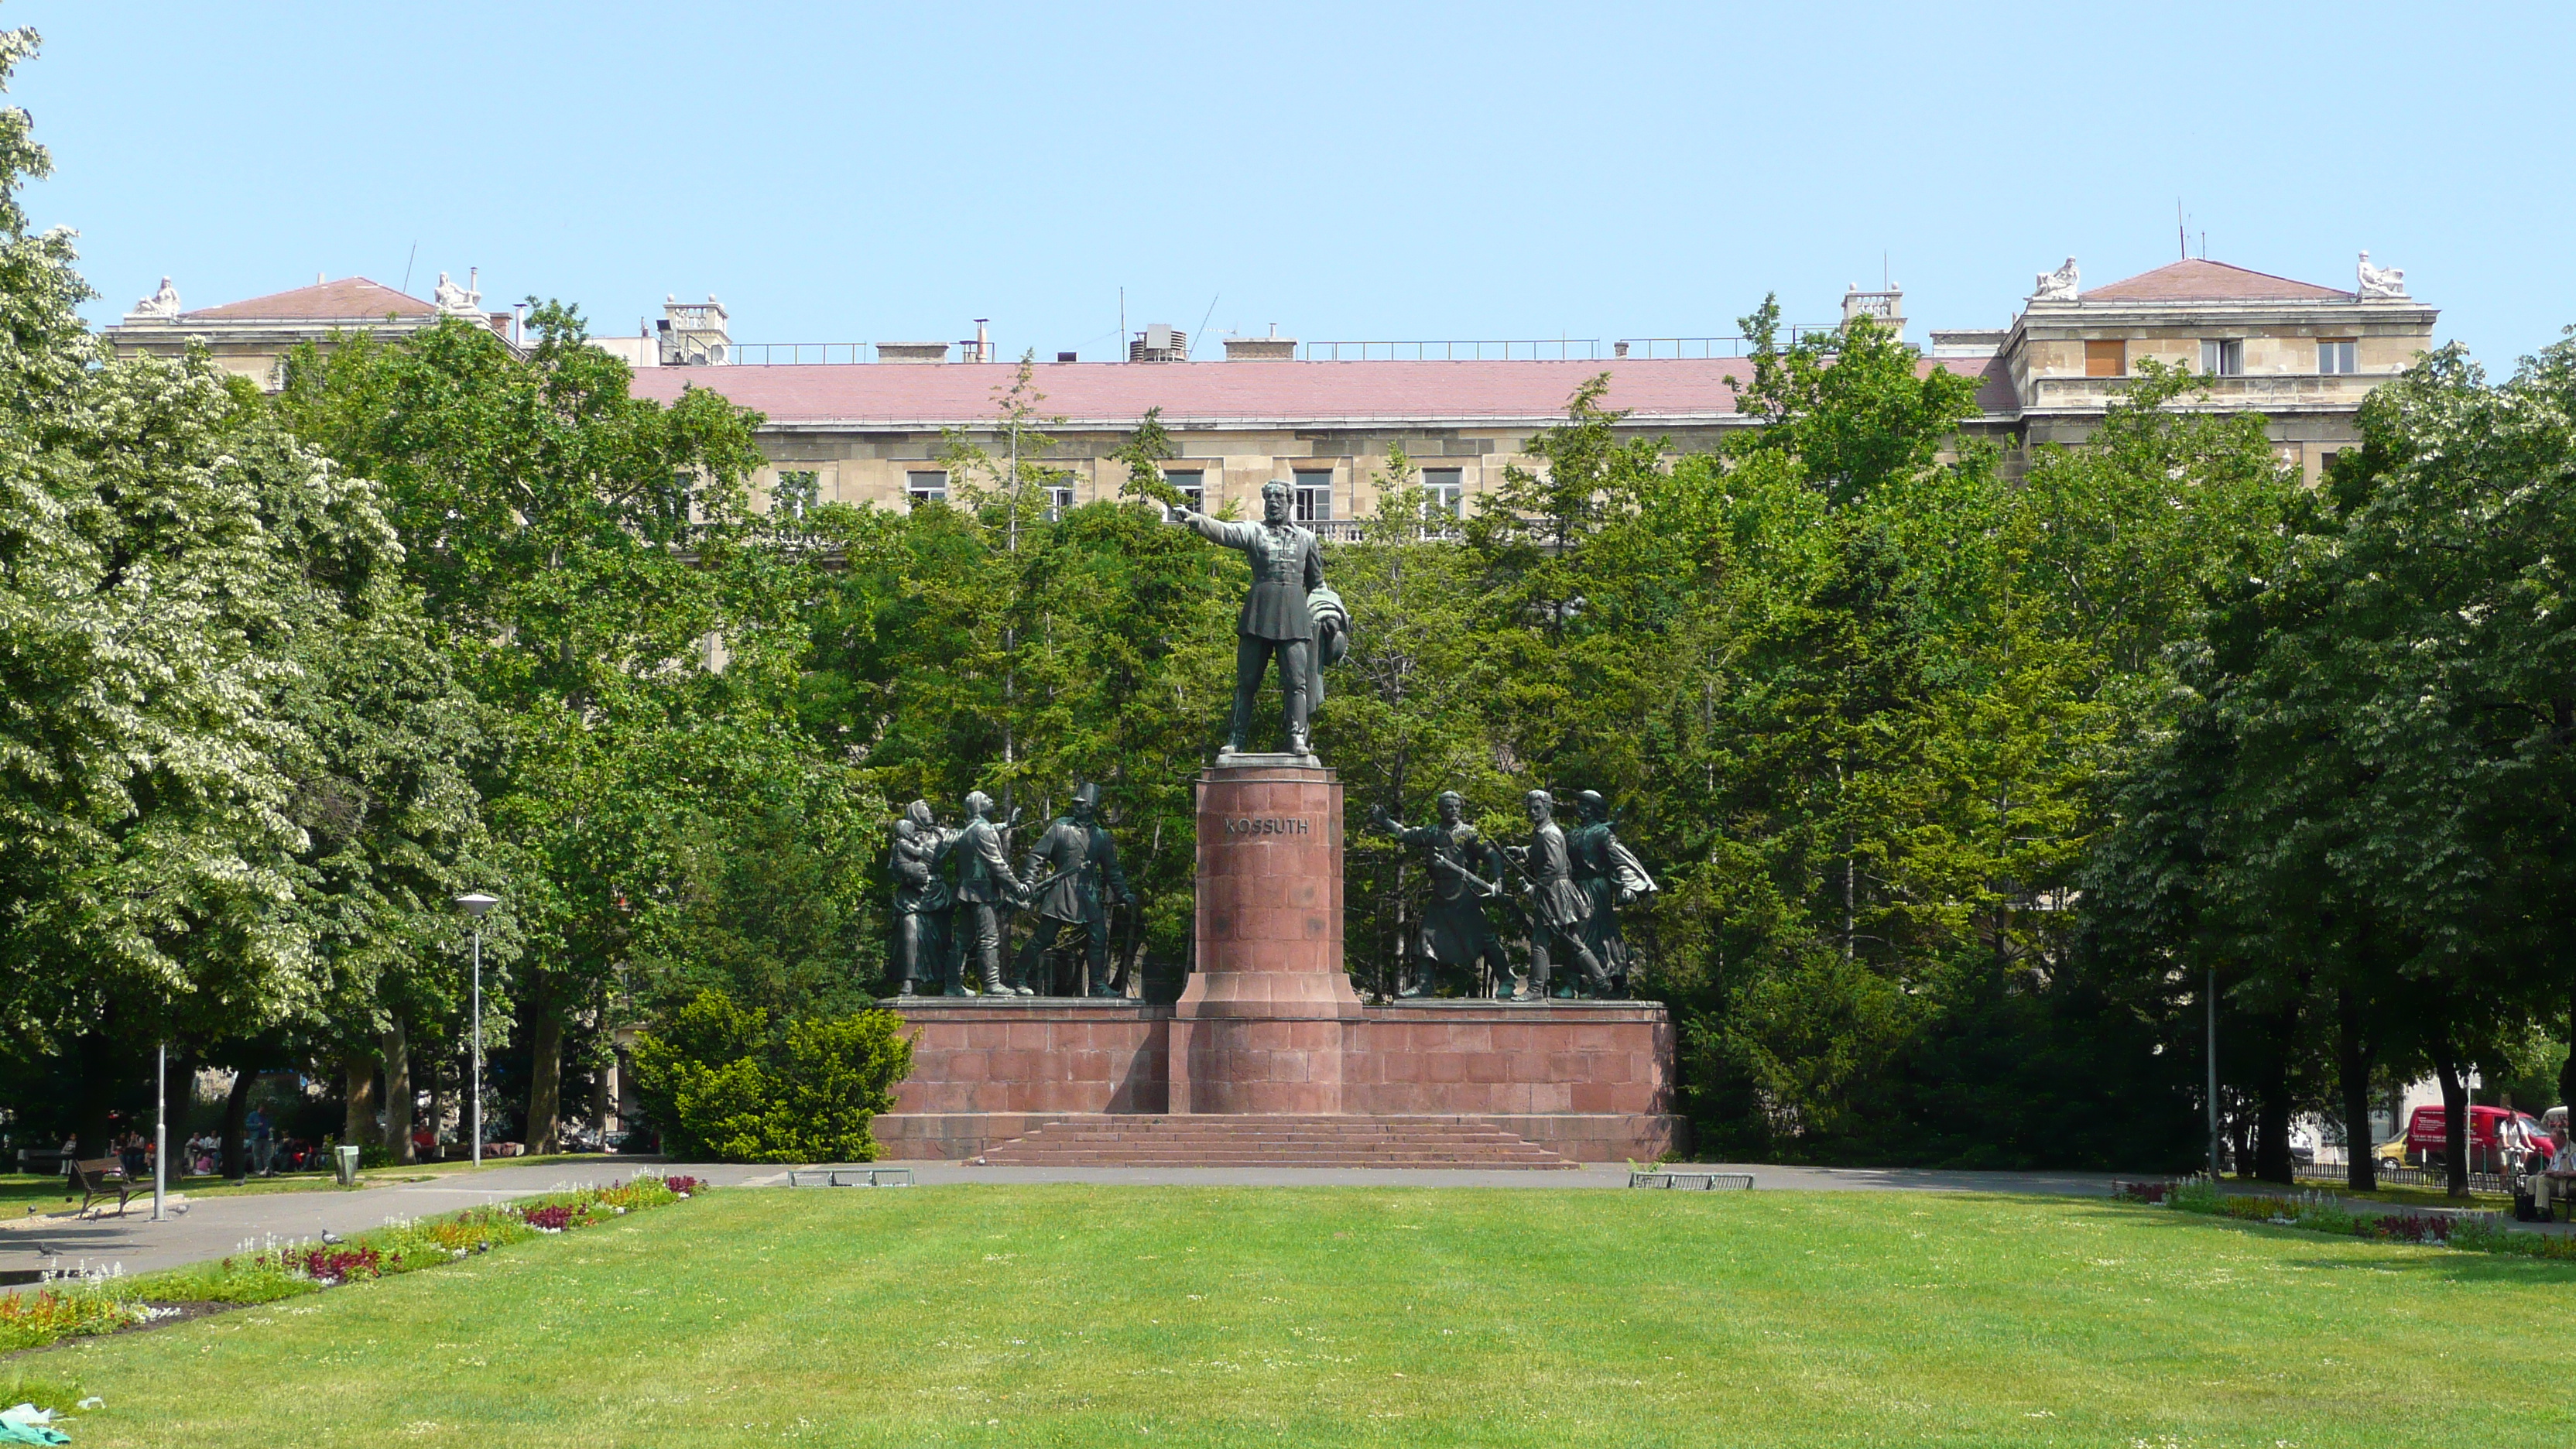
point(346, 299)
point(1208, 393)
point(2200, 280)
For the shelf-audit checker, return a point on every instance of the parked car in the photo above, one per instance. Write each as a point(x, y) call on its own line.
point(2500, 1139)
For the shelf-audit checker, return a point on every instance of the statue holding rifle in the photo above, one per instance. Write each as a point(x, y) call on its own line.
point(1288, 615)
point(1465, 873)
point(1080, 885)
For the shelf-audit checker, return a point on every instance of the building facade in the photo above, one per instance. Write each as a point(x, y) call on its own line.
point(869, 424)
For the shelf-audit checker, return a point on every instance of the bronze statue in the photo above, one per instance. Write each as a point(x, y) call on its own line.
point(1289, 613)
point(1610, 876)
point(1455, 933)
point(924, 903)
point(984, 886)
point(1556, 908)
point(1082, 885)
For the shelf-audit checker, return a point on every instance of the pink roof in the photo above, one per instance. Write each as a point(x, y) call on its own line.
point(1205, 393)
point(2199, 280)
point(345, 299)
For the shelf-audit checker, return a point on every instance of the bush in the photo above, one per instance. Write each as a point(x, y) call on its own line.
point(721, 1083)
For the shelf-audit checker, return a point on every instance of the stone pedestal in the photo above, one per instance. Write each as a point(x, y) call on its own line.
point(1261, 1026)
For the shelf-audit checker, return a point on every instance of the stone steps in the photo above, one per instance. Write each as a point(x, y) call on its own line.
point(1118, 1140)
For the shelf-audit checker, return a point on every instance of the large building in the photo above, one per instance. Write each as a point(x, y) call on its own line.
point(252, 338)
point(868, 424)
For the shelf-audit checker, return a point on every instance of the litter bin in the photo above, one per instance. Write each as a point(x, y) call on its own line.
point(345, 1166)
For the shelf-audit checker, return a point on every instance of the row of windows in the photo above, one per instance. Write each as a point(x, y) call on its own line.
point(2220, 357)
point(1445, 487)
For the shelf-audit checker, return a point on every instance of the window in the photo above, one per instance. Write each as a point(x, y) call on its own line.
point(2106, 359)
point(794, 492)
point(1059, 500)
point(926, 487)
point(1192, 486)
point(2336, 355)
point(1442, 490)
point(1314, 496)
point(2223, 357)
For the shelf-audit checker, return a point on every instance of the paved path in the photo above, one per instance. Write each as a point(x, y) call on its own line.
point(212, 1227)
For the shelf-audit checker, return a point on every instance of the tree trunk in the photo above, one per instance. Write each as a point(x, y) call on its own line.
point(2455, 1120)
point(2352, 1066)
point(545, 1081)
point(437, 1108)
point(398, 1093)
point(358, 1123)
point(2272, 1161)
point(236, 1164)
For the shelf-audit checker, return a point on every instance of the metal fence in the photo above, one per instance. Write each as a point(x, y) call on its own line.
point(2429, 1177)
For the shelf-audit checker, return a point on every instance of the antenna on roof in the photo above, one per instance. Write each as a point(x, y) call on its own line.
point(1203, 320)
point(407, 261)
point(2182, 238)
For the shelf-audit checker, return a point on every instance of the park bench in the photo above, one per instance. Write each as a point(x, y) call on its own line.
point(849, 1177)
point(99, 1176)
point(1692, 1181)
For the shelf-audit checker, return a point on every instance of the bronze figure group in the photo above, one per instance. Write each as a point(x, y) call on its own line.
point(1571, 884)
point(954, 891)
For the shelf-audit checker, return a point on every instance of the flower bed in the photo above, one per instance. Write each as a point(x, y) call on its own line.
point(2319, 1212)
point(285, 1270)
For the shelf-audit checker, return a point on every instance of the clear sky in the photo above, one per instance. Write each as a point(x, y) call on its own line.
point(845, 172)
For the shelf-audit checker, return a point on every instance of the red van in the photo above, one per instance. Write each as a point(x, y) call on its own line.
point(2500, 1139)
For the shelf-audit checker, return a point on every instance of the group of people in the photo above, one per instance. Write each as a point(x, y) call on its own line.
point(953, 888)
point(1572, 885)
point(202, 1155)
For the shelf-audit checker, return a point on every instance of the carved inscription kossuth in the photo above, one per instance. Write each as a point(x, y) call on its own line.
point(1267, 825)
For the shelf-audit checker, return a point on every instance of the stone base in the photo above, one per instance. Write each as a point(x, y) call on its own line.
point(1589, 1080)
point(1573, 1136)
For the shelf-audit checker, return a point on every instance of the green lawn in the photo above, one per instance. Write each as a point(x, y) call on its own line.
point(1079, 1315)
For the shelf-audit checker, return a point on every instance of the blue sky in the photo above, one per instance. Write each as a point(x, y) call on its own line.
point(844, 172)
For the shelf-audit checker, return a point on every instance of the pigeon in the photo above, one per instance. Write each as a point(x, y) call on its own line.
point(334, 1239)
point(48, 1250)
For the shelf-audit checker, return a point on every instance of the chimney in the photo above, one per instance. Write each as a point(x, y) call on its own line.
point(979, 348)
point(1273, 348)
point(694, 333)
point(1886, 308)
point(912, 352)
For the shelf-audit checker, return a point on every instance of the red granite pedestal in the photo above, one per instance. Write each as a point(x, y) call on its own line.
point(1260, 1026)
point(1269, 1028)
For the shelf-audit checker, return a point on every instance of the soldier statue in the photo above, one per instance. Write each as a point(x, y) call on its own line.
point(1557, 909)
point(924, 902)
point(1081, 886)
point(1464, 871)
point(1288, 614)
point(985, 887)
point(1610, 876)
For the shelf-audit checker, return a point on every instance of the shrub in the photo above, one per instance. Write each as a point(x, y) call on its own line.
point(722, 1083)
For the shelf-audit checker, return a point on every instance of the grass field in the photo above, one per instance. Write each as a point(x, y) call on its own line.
point(1076, 1315)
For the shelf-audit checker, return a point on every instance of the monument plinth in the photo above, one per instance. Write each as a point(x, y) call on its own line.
point(1261, 1026)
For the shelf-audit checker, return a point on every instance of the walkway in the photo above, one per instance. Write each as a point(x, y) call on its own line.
point(212, 1227)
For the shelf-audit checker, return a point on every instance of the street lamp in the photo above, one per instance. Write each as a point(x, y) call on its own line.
point(477, 905)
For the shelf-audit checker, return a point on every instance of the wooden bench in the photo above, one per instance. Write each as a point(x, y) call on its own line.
point(1693, 1181)
point(99, 1176)
point(849, 1177)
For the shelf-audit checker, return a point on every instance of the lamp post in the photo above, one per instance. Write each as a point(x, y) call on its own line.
point(477, 905)
point(160, 1129)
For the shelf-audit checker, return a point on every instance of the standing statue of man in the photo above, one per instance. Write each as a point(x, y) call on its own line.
point(1610, 876)
point(1289, 613)
point(1455, 933)
point(1556, 907)
point(1082, 884)
point(984, 886)
point(924, 902)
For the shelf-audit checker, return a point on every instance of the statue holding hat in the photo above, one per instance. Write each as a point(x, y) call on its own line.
point(1073, 881)
point(1289, 615)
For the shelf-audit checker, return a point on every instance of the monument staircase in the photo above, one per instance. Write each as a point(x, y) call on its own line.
point(1230, 1140)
